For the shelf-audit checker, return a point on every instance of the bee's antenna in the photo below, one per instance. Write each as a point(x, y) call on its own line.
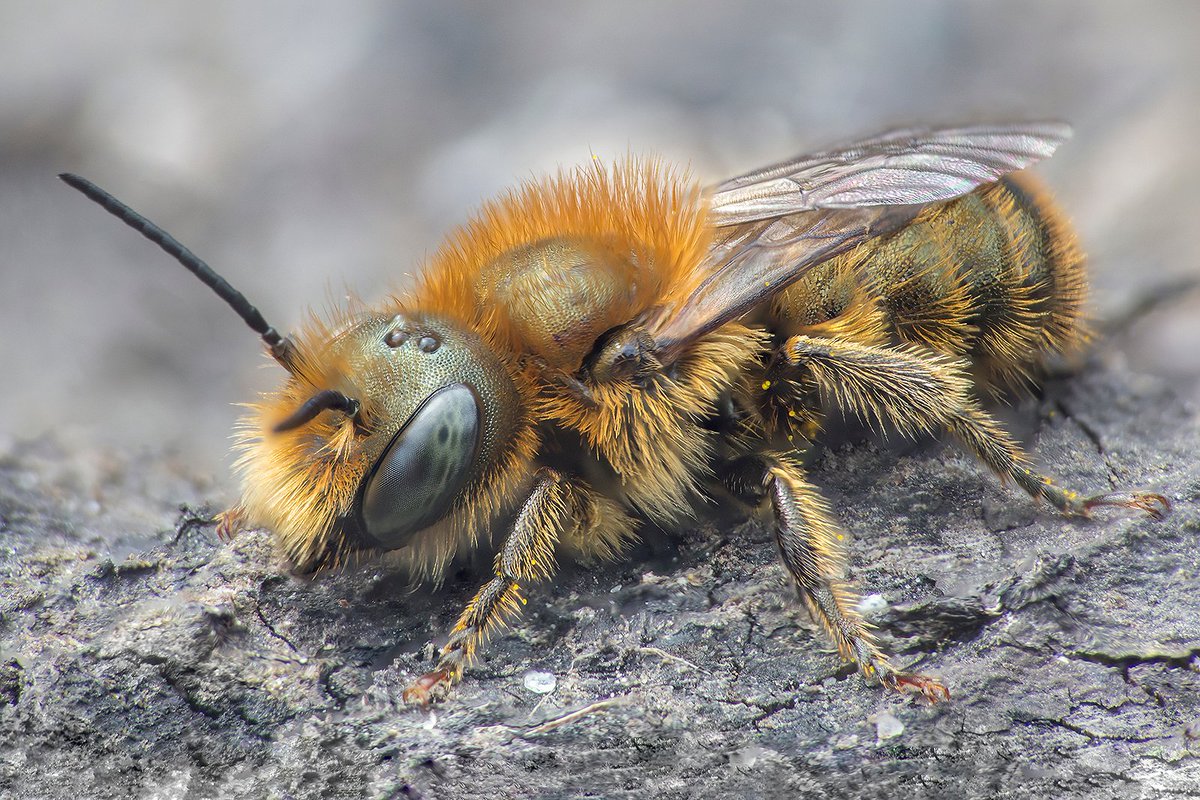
point(328, 399)
point(281, 347)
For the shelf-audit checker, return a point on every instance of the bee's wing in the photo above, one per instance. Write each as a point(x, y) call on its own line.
point(906, 167)
point(774, 224)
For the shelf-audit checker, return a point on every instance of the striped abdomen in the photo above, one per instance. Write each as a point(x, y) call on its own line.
point(994, 276)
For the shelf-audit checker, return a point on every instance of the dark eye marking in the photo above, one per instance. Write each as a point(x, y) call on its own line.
point(420, 474)
point(428, 344)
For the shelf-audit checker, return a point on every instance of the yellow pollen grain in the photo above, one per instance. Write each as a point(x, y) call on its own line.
point(766, 384)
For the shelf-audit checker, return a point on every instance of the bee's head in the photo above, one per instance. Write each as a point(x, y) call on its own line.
point(381, 432)
point(385, 428)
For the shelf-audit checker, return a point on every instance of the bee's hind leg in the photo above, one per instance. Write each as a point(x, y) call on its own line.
point(975, 428)
point(810, 544)
point(922, 391)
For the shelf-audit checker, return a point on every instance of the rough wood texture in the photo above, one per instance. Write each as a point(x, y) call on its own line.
point(1072, 648)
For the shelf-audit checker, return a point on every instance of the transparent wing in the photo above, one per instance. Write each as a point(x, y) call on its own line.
point(906, 167)
point(774, 224)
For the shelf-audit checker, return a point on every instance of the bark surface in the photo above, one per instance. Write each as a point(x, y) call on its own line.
point(164, 663)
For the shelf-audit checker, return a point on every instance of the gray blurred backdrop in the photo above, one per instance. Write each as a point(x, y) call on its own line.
point(306, 148)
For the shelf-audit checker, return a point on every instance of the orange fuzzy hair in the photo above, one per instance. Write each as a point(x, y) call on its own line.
point(637, 207)
point(300, 481)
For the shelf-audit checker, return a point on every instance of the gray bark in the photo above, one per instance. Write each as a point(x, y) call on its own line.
point(187, 667)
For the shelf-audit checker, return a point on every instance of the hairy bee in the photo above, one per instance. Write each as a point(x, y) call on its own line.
point(606, 345)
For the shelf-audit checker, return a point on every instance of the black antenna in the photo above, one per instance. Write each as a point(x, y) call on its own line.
point(328, 399)
point(281, 347)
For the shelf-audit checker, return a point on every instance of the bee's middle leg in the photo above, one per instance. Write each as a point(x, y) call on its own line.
point(809, 541)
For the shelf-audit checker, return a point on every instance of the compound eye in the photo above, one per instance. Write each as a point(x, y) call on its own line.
point(423, 468)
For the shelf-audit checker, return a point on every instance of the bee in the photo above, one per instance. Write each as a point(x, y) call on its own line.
point(613, 344)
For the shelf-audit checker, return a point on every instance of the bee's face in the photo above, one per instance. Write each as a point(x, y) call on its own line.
point(438, 405)
point(435, 409)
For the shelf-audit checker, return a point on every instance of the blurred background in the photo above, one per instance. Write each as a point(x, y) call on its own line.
point(303, 149)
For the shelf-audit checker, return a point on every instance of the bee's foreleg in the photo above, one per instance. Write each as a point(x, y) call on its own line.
point(810, 544)
point(231, 522)
point(921, 391)
point(527, 555)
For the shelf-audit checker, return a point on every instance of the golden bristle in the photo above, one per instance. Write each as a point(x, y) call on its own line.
point(639, 208)
point(297, 483)
point(651, 434)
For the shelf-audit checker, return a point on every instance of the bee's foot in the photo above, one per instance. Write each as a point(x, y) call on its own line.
point(430, 687)
point(910, 682)
point(230, 523)
point(1155, 505)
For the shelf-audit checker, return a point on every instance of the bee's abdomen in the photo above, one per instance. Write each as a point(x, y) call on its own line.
point(994, 276)
point(1022, 271)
